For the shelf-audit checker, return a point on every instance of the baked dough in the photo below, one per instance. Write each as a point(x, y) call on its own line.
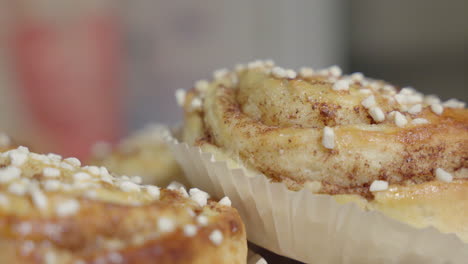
point(54, 211)
point(350, 136)
point(143, 153)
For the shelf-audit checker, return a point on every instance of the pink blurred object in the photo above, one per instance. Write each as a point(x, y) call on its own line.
point(68, 77)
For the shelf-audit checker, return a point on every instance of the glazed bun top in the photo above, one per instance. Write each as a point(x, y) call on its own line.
point(340, 132)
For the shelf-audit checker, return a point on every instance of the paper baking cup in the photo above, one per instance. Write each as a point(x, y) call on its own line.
point(314, 228)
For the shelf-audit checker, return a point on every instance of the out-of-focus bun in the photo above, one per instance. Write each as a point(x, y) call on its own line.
point(143, 153)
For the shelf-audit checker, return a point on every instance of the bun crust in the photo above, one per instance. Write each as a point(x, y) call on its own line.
point(57, 212)
point(338, 135)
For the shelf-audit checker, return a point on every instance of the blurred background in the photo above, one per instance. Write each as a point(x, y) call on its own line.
point(74, 72)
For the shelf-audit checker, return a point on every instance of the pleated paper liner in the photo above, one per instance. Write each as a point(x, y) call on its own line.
point(313, 228)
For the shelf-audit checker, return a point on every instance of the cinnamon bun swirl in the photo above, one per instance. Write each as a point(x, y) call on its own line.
point(359, 139)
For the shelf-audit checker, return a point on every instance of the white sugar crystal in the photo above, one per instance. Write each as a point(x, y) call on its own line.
point(93, 170)
point(306, 72)
point(183, 191)
point(136, 179)
point(454, 103)
point(378, 186)
point(216, 237)
point(408, 98)
point(196, 103)
point(38, 157)
point(419, 121)
point(328, 138)
point(377, 114)
point(51, 172)
point(278, 72)
point(81, 176)
point(128, 186)
point(180, 95)
point(191, 212)
point(414, 99)
point(202, 220)
point(389, 88)
point(225, 201)
point(73, 161)
point(400, 120)
point(107, 178)
point(17, 157)
point(341, 85)
point(66, 166)
point(431, 99)
point(153, 191)
point(52, 185)
point(165, 225)
point(18, 188)
point(39, 199)
point(54, 157)
point(218, 74)
point(407, 91)
point(103, 172)
point(190, 230)
point(415, 109)
point(67, 208)
point(199, 198)
point(193, 191)
point(291, 74)
point(438, 109)
point(202, 85)
point(9, 173)
point(175, 185)
point(357, 76)
point(368, 102)
point(442, 175)
point(335, 71)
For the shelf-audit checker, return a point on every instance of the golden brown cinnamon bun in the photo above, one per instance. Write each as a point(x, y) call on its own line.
point(345, 135)
point(54, 211)
point(143, 153)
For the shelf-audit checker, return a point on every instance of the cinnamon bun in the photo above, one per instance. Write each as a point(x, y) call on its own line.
point(143, 153)
point(387, 148)
point(54, 211)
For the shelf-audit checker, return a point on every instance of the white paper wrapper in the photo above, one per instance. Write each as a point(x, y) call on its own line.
point(254, 258)
point(314, 228)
